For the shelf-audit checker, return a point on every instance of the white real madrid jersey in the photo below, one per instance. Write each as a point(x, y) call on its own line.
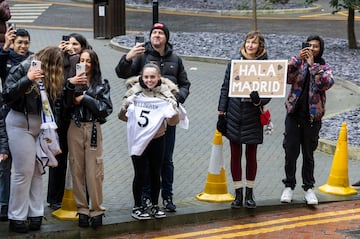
point(145, 117)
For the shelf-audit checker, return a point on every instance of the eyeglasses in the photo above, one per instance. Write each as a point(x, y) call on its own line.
point(22, 42)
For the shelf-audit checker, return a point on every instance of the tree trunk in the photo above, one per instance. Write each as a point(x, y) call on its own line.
point(351, 29)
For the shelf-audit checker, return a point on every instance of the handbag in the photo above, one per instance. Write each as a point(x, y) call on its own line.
point(265, 116)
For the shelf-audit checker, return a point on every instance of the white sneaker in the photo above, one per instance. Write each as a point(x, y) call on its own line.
point(286, 196)
point(310, 197)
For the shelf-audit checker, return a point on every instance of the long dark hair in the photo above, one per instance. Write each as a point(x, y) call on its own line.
point(82, 40)
point(318, 58)
point(95, 78)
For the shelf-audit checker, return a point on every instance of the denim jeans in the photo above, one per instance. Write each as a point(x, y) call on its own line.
point(167, 169)
point(5, 172)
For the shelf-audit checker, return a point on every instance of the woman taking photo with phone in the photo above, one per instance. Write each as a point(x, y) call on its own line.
point(22, 94)
point(87, 97)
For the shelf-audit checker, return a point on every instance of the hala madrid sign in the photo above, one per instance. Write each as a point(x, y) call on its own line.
point(268, 77)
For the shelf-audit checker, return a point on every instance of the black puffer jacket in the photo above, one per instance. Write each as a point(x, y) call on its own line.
point(170, 64)
point(243, 118)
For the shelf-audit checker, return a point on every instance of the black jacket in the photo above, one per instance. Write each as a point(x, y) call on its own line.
point(243, 118)
point(170, 64)
point(95, 106)
point(4, 145)
point(19, 92)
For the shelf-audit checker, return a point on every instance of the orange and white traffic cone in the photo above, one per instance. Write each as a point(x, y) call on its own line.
point(338, 181)
point(68, 210)
point(216, 186)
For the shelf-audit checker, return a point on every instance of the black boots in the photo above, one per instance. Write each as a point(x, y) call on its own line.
point(35, 223)
point(237, 203)
point(96, 221)
point(83, 220)
point(18, 226)
point(249, 198)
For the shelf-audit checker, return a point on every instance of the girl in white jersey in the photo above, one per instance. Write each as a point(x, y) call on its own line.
point(148, 107)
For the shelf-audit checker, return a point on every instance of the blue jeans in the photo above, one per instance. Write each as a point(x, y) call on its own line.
point(167, 169)
point(5, 172)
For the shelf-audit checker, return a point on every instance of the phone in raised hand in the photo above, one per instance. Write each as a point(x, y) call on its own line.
point(36, 65)
point(80, 68)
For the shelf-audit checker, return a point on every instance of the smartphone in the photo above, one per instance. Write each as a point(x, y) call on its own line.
point(65, 37)
point(36, 65)
point(80, 67)
point(139, 39)
point(11, 25)
point(305, 45)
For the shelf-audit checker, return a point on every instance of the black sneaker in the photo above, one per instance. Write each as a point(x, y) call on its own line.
point(83, 220)
point(18, 226)
point(35, 223)
point(96, 221)
point(169, 206)
point(156, 212)
point(140, 213)
point(55, 206)
point(4, 213)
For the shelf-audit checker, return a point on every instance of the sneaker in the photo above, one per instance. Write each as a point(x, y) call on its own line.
point(286, 196)
point(140, 213)
point(169, 205)
point(156, 212)
point(55, 206)
point(310, 197)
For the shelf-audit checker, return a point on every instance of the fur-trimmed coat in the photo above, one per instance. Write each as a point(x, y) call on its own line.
point(166, 90)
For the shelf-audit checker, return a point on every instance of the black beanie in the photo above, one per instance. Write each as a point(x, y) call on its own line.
point(162, 27)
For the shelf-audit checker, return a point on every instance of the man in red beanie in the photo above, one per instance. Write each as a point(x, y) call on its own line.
point(159, 51)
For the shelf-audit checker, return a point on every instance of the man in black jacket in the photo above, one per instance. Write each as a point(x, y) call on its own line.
point(159, 51)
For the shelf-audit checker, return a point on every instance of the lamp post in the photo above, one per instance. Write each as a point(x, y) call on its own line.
point(254, 24)
point(155, 11)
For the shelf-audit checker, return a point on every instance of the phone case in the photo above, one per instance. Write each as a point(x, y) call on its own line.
point(80, 68)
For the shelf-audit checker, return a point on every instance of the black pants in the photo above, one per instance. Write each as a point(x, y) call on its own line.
point(57, 175)
point(305, 135)
point(150, 160)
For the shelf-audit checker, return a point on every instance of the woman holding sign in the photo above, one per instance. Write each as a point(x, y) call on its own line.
point(239, 121)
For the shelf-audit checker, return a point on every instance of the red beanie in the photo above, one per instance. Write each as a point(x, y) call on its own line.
point(162, 27)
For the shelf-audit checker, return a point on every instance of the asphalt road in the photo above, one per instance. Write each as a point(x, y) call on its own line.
point(79, 16)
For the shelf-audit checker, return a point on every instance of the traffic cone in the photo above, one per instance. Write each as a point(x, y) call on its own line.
point(338, 181)
point(68, 210)
point(216, 186)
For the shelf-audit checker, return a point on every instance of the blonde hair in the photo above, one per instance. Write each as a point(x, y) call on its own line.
point(52, 62)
